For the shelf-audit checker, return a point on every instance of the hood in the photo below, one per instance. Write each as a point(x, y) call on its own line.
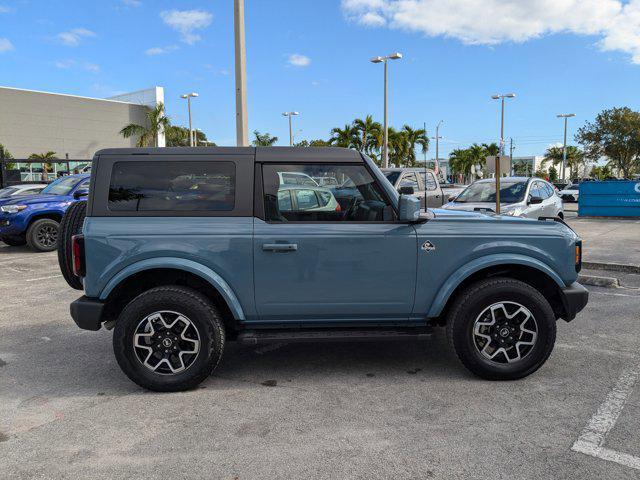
point(36, 199)
point(472, 206)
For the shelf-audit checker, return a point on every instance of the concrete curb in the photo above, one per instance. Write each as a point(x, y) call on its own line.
point(612, 267)
point(596, 281)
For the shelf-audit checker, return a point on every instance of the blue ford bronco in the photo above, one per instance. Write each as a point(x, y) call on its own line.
point(182, 250)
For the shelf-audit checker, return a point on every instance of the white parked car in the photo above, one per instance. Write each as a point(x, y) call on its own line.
point(21, 190)
point(329, 182)
point(519, 197)
point(570, 193)
point(296, 178)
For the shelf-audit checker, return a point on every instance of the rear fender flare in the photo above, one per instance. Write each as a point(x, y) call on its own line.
point(190, 266)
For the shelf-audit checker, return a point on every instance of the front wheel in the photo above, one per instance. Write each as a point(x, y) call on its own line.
point(42, 235)
point(169, 339)
point(501, 329)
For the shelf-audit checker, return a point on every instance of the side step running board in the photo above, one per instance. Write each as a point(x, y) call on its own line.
point(255, 337)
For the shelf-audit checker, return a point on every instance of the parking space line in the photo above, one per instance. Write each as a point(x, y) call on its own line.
point(591, 440)
point(42, 278)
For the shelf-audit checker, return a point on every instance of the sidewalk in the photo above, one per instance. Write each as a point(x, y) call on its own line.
point(609, 240)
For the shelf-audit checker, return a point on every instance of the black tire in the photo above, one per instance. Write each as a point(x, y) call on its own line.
point(70, 225)
point(42, 235)
point(473, 301)
point(14, 241)
point(198, 309)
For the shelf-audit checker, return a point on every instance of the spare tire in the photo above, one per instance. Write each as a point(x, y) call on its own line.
point(70, 225)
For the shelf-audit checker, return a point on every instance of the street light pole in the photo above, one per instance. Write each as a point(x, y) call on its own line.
point(385, 142)
point(290, 114)
point(501, 152)
point(566, 116)
point(242, 134)
point(189, 96)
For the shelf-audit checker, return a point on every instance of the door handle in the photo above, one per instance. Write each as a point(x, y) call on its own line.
point(280, 247)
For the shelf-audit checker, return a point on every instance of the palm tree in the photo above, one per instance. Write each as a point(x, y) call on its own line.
point(369, 132)
point(157, 121)
point(46, 166)
point(263, 139)
point(491, 149)
point(575, 158)
point(415, 138)
point(477, 155)
point(346, 137)
point(460, 161)
point(399, 147)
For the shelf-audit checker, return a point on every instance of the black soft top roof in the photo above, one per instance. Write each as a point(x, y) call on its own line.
point(260, 154)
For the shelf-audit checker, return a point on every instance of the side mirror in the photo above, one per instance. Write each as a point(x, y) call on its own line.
point(406, 191)
point(535, 200)
point(409, 208)
point(81, 192)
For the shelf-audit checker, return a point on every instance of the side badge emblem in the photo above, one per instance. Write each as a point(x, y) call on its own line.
point(428, 246)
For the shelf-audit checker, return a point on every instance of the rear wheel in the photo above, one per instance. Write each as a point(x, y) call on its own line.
point(501, 329)
point(42, 235)
point(169, 339)
point(70, 225)
point(14, 241)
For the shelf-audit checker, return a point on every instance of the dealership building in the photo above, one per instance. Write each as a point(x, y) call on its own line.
point(73, 127)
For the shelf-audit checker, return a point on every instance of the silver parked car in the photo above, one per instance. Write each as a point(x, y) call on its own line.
point(423, 182)
point(519, 197)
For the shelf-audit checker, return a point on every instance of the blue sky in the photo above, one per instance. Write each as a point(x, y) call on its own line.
point(313, 57)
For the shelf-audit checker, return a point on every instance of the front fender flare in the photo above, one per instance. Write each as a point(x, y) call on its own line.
point(190, 266)
point(478, 264)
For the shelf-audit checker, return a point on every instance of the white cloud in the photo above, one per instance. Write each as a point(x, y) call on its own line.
point(91, 67)
point(5, 9)
point(64, 64)
point(160, 50)
point(132, 3)
point(491, 22)
point(298, 60)
point(186, 22)
point(73, 37)
point(5, 45)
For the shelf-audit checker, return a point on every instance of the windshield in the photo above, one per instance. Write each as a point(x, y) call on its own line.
point(392, 177)
point(62, 186)
point(510, 192)
point(7, 192)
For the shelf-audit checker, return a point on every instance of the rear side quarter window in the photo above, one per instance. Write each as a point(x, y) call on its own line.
point(172, 186)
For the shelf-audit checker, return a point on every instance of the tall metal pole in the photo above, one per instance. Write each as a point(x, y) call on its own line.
point(564, 151)
point(385, 143)
point(437, 143)
point(290, 132)
point(242, 134)
point(502, 129)
point(190, 125)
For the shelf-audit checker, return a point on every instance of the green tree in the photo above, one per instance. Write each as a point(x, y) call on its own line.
point(177, 136)
point(478, 156)
point(319, 143)
point(575, 158)
point(46, 166)
point(491, 149)
point(346, 137)
point(369, 134)
point(553, 173)
point(263, 139)
point(601, 172)
point(460, 162)
point(5, 154)
point(615, 135)
point(415, 138)
point(156, 121)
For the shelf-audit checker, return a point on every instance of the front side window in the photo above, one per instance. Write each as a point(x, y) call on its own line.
point(172, 186)
point(355, 196)
point(429, 181)
point(410, 180)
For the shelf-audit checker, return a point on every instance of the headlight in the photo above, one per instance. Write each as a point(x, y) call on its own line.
point(12, 208)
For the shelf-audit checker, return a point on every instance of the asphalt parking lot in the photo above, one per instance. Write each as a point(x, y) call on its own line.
point(369, 410)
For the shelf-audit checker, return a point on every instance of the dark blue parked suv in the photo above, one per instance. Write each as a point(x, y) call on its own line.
point(35, 220)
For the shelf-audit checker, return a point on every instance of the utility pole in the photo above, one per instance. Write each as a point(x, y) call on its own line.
point(242, 134)
point(290, 114)
point(189, 96)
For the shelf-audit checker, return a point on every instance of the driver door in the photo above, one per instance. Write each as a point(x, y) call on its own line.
point(339, 257)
